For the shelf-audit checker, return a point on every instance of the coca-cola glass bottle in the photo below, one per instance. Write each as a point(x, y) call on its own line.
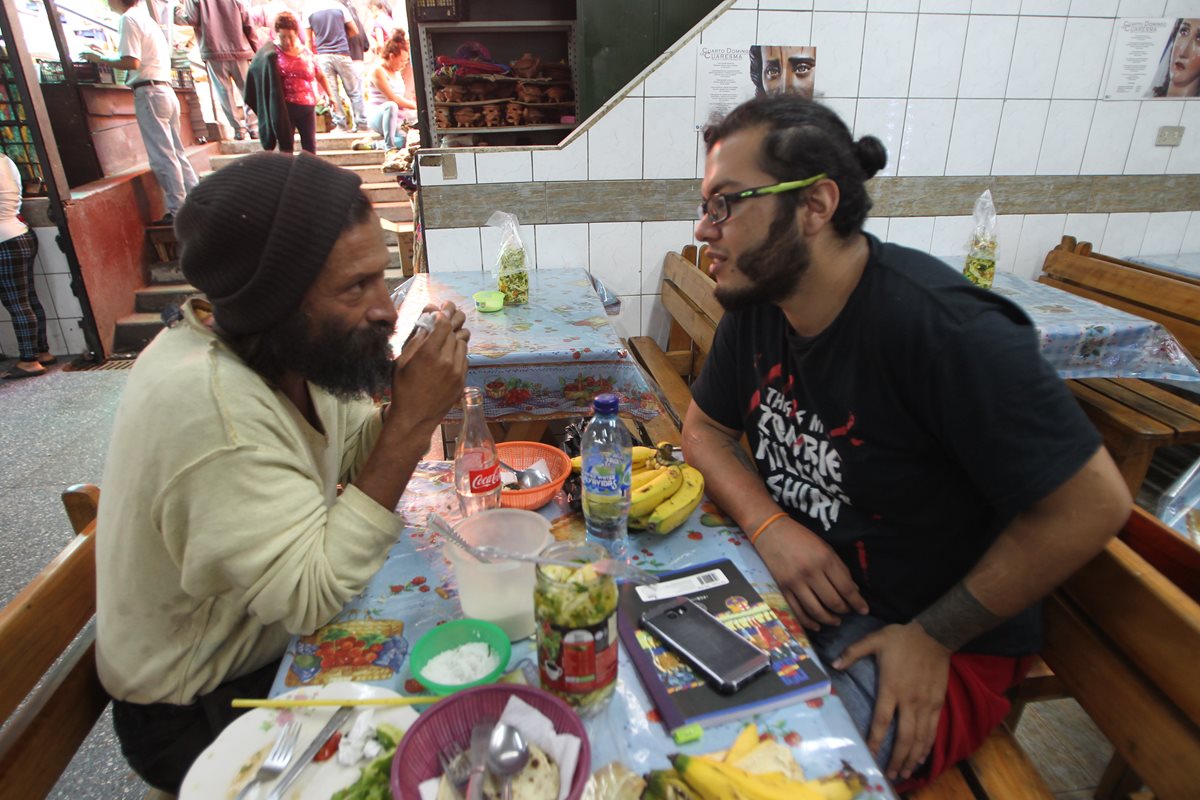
point(476, 465)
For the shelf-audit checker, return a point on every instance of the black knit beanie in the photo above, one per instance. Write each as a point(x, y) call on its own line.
point(254, 235)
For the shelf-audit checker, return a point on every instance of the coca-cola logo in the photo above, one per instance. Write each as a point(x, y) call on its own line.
point(484, 480)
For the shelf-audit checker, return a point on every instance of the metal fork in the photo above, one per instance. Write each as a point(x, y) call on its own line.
point(277, 760)
point(455, 766)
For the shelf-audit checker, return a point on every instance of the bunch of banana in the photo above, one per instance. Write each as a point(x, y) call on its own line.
point(643, 458)
point(664, 491)
point(749, 770)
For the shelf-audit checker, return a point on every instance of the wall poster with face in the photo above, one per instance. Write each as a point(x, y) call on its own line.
point(1154, 58)
point(728, 76)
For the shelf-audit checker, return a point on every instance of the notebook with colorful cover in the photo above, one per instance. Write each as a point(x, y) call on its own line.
point(683, 697)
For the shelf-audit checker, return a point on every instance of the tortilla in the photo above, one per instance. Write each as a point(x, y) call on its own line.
point(537, 781)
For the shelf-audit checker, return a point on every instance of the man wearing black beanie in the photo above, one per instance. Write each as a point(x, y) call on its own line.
point(222, 532)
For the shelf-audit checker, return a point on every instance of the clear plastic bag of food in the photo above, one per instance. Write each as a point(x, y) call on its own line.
point(980, 266)
point(512, 262)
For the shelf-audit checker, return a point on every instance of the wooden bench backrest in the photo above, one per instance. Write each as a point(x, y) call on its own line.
point(1125, 641)
point(1085, 249)
point(51, 617)
point(1153, 295)
point(687, 295)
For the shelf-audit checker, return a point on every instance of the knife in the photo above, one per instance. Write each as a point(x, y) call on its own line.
point(480, 735)
point(335, 722)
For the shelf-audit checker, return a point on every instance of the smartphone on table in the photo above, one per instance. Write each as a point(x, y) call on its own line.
point(726, 660)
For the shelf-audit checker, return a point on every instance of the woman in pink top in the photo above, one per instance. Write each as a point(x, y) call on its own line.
point(298, 71)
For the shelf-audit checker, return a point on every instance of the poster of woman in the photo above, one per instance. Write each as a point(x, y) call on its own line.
point(1178, 73)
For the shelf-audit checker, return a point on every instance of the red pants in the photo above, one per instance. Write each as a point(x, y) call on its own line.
point(975, 705)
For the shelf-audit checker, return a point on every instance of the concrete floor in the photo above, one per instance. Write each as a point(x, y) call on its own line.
point(56, 430)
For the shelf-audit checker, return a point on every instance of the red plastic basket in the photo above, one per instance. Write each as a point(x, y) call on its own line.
point(520, 455)
point(450, 721)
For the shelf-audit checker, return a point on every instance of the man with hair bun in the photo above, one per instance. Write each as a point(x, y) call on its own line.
point(251, 480)
point(918, 476)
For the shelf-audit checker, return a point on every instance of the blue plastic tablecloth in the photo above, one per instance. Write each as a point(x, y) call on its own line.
point(546, 358)
point(416, 590)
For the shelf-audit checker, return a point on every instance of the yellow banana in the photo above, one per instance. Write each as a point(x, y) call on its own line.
point(638, 523)
point(843, 785)
point(640, 455)
point(642, 477)
point(664, 455)
point(646, 499)
point(674, 511)
point(746, 741)
point(714, 780)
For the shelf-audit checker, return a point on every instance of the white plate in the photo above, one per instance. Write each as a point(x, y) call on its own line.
point(231, 761)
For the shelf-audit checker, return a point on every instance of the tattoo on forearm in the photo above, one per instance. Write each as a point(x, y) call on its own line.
point(956, 618)
point(736, 449)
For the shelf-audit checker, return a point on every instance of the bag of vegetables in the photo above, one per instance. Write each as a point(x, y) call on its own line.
point(980, 267)
point(512, 262)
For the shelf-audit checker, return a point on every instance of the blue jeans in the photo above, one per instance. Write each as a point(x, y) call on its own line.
point(857, 686)
point(157, 112)
point(338, 66)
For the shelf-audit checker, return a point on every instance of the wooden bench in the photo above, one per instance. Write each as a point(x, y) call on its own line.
point(51, 620)
point(687, 295)
point(1134, 417)
point(1123, 639)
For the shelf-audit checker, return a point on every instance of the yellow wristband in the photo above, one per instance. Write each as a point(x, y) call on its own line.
point(754, 536)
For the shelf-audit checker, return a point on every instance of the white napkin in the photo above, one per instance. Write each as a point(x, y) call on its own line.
point(537, 728)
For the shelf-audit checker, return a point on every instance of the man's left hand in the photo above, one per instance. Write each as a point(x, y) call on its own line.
point(913, 673)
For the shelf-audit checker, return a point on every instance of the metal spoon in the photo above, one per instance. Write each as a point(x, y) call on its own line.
point(535, 475)
point(507, 755)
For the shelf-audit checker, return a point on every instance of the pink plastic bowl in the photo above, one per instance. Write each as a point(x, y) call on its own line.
point(451, 720)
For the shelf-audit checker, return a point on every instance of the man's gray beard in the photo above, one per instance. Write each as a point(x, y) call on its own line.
point(773, 268)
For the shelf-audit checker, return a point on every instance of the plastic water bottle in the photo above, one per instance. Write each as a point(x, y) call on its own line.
point(607, 470)
point(476, 465)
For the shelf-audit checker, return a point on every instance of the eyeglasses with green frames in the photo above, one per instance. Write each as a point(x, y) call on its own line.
point(717, 208)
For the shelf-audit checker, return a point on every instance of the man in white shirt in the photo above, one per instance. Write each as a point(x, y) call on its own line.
point(143, 50)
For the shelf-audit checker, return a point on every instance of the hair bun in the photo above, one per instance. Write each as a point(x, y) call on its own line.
point(872, 155)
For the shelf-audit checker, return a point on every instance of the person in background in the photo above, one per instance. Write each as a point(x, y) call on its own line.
point(330, 28)
point(918, 475)
point(142, 49)
point(387, 105)
point(281, 86)
point(223, 529)
point(1179, 69)
point(18, 248)
point(227, 43)
point(379, 14)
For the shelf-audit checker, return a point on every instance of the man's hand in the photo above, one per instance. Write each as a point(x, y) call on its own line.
point(913, 673)
point(94, 56)
point(814, 581)
point(432, 367)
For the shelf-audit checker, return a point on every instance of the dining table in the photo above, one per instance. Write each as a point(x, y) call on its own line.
point(416, 590)
point(1081, 338)
point(542, 360)
point(1185, 265)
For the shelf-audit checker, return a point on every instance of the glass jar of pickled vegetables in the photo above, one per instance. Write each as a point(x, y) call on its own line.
point(575, 609)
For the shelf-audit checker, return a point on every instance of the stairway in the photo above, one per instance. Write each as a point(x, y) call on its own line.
point(165, 284)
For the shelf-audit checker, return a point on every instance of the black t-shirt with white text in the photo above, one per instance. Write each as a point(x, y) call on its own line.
point(908, 434)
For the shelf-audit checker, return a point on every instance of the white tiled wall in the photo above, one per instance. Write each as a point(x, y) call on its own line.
point(52, 280)
point(952, 87)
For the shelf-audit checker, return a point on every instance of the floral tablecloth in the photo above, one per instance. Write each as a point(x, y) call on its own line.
point(545, 359)
point(1085, 339)
point(416, 590)
point(1186, 264)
